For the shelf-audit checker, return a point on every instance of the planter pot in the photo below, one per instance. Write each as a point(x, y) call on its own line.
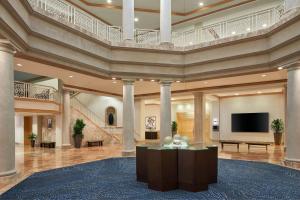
point(174, 133)
point(277, 138)
point(77, 141)
point(32, 142)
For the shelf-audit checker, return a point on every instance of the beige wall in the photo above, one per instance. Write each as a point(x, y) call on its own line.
point(273, 104)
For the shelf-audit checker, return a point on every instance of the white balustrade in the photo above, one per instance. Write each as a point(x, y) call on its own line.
point(63, 11)
point(34, 91)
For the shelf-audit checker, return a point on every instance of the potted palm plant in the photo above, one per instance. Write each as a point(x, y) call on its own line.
point(78, 132)
point(32, 138)
point(174, 128)
point(278, 128)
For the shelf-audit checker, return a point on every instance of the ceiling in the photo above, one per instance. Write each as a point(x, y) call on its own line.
point(147, 89)
point(147, 11)
point(26, 77)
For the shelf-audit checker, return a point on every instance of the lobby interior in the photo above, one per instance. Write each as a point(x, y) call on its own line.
point(137, 74)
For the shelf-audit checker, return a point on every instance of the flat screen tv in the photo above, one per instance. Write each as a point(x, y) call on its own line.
point(250, 122)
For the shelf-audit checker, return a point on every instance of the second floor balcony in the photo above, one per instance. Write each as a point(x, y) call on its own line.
point(64, 12)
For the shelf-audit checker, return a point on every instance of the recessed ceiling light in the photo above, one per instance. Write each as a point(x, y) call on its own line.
point(264, 25)
point(236, 94)
point(19, 65)
point(191, 43)
point(259, 92)
point(141, 79)
point(109, 1)
point(172, 99)
point(248, 29)
point(178, 81)
point(280, 68)
point(152, 80)
point(71, 76)
point(113, 78)
point(201, 4)
point(136, 19)
point(114, 81)
point(263, 75)
point(233, 32)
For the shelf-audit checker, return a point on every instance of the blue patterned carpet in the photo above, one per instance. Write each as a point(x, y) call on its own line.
point(115, 179)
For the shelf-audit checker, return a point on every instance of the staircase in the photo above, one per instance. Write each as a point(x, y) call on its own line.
point(95, 120)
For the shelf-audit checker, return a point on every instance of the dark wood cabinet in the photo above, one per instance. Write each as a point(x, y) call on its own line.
point(151, 135)
point(141, 164)
point(165, 169)
point(162, 169)
point(193, 169)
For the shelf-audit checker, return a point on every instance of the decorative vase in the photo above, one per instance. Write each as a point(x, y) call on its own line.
point(277, 138)
point(32, 142)
point(77, 140)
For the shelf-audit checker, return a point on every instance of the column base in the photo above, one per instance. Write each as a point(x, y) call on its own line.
point(128, 153)
point(294, 163)
point(66, 146)
point(8, 173)
point(167, 44)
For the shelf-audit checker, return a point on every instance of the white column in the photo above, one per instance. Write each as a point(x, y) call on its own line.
point(165, 110)
point(7, 112)
point(59, 117)
point(128, 117)
point(66, 133)
point(293, 114)
point(165, 21)
point(128, 20)
point(291, 4)
point(199, 111)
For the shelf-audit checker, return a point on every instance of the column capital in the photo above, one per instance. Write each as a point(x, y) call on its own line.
point(165, 82)
point(293, 66)
point(6, 46)
point(128, 81)
point(198, 94)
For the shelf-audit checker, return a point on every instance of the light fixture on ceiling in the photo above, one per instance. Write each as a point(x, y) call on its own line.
point(136, 19)
point(233, 32)
point(280, 68)
point(114, 81)
point(109, 1)
point(236, 94)
point(191, 43)
point(152, 80)
point(201, 4)
point(259, 92)
point(263, 75)
point(71, 76)
point(113, 78)
point(264, 25)
point(178, 81)
point(141, 79)
point(248, 29)
point(172, 99)
point(19, 65)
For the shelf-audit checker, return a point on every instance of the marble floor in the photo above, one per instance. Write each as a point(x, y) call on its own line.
point(30, 160)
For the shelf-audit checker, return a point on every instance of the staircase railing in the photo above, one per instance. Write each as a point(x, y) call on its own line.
point(93, 117)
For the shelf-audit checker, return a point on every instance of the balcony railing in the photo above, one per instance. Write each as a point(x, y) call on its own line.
point(69, 14)
point(34, 91)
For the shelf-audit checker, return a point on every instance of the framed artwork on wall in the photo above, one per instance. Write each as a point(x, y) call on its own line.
point(150, 122)
point(49, 123)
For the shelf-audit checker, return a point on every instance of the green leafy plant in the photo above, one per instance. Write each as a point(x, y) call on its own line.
point(78, 127)
point(277, 125)
point(32, 137)
point(174, 126)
